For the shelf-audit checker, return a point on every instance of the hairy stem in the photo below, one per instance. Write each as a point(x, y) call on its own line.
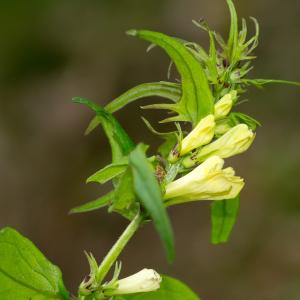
point(118, 247)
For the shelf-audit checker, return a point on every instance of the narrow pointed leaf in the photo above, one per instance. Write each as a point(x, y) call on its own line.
point(261, 82)
point(196, 101)
point(154, 131)
point(120, 142)
point(223, 217)
point(212, 63)
point(25, 273)
point(109, 172)
point(233, 33)
point(168, 106)
point(236, 118)
point(168, 90)
point(95, 204)
point(149, 193)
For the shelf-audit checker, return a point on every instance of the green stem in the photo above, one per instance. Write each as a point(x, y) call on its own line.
point(118, 247)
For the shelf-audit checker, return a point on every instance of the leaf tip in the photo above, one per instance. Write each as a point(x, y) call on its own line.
point(7, 229)
point(76, 100)
point(72, 211)
point(90, 179)
point(132, 32)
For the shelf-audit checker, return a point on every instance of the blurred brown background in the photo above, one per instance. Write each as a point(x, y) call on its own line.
point(53, 50)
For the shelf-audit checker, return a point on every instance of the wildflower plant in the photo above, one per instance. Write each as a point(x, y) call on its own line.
point(188, 166)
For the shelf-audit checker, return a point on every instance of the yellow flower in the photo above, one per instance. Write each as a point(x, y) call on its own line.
point(224, 105)
point(146, 280)
point(208, 181)
point(201, 135)
point(237, 140)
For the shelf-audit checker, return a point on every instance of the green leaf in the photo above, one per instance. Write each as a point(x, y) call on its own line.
point(212, 59)
point(148, 190)
point(95, 204)
point(120, 142)
point(196, 101)
point(168, 90)
point(170, 289)
point(233, 33)
point(169, 137)
point(125, 198)
point(24, 271)
point(236, 118)
point(261, 82)
point(107, 173)
point(223, 217)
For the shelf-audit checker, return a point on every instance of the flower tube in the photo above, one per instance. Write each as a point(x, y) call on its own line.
point(201, 135)
point(224, 105)
point(208, 181)
point(235, 141)
point(146, 280)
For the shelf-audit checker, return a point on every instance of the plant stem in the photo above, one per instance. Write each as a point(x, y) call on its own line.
point(118, 247)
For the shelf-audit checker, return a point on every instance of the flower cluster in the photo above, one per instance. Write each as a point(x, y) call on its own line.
point(188, 165)
point(203, 150)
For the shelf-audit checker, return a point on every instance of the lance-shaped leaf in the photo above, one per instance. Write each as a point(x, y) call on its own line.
point(262, 82)
point(223, 217)
point(236, 118)
point(170, 138)
point(170, 289)
point(168, 90)
point(232, 43)
point(196, 100)
point(211, 60)
point(107, 173)
point(95, 204)
point(25, 273)
point(149, 193)
point(120, 142)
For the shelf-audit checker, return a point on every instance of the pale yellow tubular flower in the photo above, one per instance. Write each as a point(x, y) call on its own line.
point(147, 280)
point(235, 141)
point(208, 181)
point(201, 135)
point(224, 105)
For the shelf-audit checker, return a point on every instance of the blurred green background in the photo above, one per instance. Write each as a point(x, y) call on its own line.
point(53, 50)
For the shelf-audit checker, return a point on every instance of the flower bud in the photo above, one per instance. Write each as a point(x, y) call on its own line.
point(201, 135)
point(235, 141)
point(146, 280)
point(224, 105)
point(208, 181)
